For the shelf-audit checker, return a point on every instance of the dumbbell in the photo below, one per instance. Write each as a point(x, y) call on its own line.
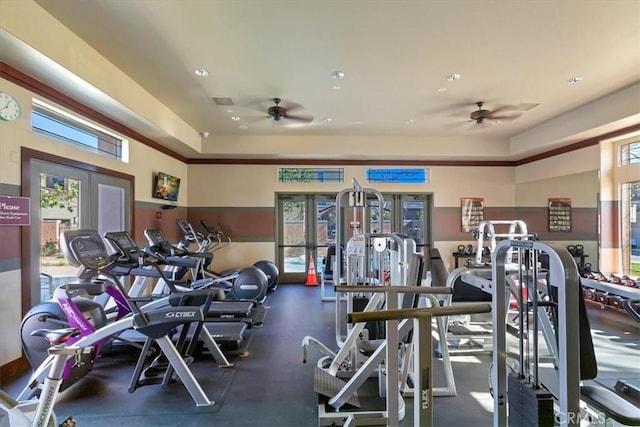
point(602, 297)
point(615, 301)
point(627, 281)
point(486, 251)
point(468, 250)
point(599, 277)
point(589, 294)
point(614, 279)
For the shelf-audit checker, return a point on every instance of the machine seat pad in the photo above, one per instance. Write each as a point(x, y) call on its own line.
point(611, 404)
point(367, 347)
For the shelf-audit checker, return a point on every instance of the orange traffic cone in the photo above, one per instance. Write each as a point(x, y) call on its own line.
point(312, 279)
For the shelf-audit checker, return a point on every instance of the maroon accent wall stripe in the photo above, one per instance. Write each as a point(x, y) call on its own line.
point(584, 223)
point(149, 216)
point(10, 248)
point(446, 223)
point(253, 224)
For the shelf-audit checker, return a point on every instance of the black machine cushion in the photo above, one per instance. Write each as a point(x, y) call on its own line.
point(611, 404)
point(588, 363)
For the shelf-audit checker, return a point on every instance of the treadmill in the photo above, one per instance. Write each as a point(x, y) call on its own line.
point(218, 320)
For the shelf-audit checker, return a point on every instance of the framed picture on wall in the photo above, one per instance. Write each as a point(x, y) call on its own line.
point(559, 214)
point(472, 212)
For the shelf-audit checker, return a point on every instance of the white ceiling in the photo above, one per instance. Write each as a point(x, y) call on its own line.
point(396, 56)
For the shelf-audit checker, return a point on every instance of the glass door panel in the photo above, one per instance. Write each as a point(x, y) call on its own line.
point(69, 199)
point(59, 211)
point(325, 228)
point(294, 245)
point(413, 221)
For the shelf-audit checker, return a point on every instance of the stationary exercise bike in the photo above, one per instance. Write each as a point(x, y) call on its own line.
point(38, 412)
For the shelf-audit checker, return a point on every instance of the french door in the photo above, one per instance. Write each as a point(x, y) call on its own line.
point(306, 228)
point(408, 214)
point(307, 225)
point(68, 198)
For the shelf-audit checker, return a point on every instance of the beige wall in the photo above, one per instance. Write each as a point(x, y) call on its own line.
point(235, 185)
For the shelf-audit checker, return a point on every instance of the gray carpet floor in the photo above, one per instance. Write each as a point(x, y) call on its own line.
point(270, 386)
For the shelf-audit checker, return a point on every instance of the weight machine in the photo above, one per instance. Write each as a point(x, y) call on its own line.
point(370, 272)
point(543, 383)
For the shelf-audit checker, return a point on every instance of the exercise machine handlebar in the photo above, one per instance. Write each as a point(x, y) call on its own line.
point(417, 313)
point(438, 290)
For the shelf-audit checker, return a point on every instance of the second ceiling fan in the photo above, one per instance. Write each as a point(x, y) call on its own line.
point(278, 112)
point(480, 115)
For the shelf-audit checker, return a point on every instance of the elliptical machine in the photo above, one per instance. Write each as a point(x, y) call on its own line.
point(246, 284)
point(222, 240)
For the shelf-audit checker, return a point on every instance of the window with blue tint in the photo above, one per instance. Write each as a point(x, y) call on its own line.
point(311, 175)
point(62, 126)
point(399, 175)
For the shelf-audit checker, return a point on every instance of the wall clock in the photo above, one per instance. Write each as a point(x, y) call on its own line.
point(9, 107)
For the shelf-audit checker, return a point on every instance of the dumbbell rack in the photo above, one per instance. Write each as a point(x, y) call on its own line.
point(609, 295)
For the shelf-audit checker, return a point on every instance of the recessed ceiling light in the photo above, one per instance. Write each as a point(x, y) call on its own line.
point(235, 118)
point(336, 87)
point(575, 79)
point(327, 120)
point(243, 127)
point(201, 72)
point(229, 111)
point(442, 89)
point(453, 77)
point(337, 75)
point(408, 122)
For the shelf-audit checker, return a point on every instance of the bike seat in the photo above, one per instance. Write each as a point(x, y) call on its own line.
point(56, 336)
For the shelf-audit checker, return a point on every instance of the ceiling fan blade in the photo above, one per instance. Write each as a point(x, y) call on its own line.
point(502, 118)
point(503, 108)
point(291, 106)
point(306, 119)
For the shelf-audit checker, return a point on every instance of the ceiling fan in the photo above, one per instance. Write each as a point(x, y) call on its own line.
point(480, 115)
point(279, 112)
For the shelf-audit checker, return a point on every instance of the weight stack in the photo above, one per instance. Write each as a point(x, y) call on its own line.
point(528, 407)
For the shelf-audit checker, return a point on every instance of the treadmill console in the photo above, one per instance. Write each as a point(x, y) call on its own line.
point(89, 250)
point(186, 229)
point(123, 242)
point(155, 237)
point(207, 226)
